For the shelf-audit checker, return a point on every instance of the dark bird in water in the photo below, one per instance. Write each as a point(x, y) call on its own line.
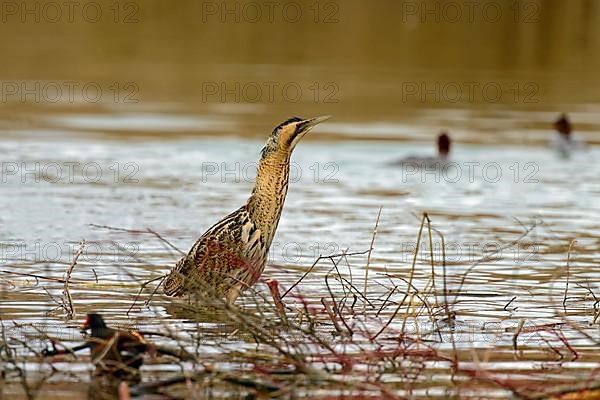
point(114, 348)
point(564, 142)
point(114, 351)
point(443, 149)
point(443, 144)
point(231, 256)
point(563, 126)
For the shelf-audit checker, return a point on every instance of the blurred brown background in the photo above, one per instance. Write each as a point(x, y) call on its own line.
point(206, 67)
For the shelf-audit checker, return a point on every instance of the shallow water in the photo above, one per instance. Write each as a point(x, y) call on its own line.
point(178, 188)
point(171, 140)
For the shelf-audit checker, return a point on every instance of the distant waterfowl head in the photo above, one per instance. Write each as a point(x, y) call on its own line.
point(563, 126)
point(443, 143)
point(286, 135)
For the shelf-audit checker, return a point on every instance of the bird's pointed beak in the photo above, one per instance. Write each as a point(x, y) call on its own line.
point(312, 122)
point(306, 126)
point(303, 127)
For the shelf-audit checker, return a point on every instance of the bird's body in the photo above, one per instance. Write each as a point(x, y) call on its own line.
point(432, 162)
point(231, 255)
point(115, 350)
point(423, 162)
point(118, 352)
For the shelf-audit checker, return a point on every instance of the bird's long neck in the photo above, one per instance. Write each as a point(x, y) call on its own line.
point(266, 202)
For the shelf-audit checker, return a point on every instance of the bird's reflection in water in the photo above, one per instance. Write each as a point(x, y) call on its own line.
point(199, 312)
point(107, 386)
point(213, 323)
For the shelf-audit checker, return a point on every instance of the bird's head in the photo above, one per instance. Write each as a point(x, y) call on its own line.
point(443, 143)
point(563, 125)
point(286, 135)
point(93, 321)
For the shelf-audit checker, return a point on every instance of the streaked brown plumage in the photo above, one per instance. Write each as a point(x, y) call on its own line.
point(231, 255)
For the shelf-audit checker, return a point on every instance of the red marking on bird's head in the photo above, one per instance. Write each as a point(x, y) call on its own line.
point(93, 321)
point(86, 323)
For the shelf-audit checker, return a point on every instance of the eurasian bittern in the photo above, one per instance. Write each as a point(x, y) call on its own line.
point(231, 256)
